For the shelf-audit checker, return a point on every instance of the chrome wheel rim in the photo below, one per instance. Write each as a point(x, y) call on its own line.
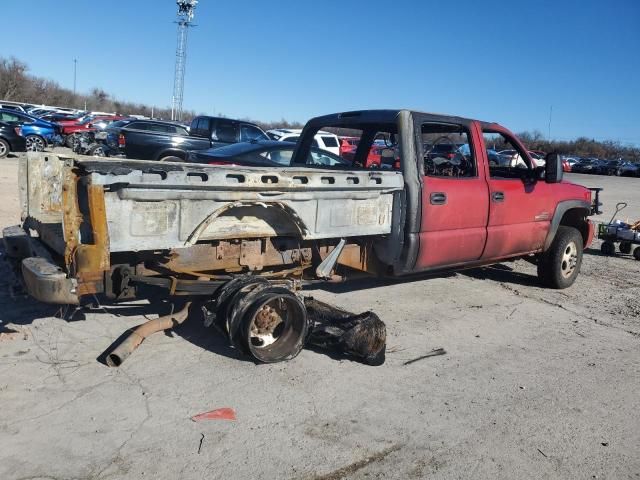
point(35, 144)
point(569, 260)
point(3, 149)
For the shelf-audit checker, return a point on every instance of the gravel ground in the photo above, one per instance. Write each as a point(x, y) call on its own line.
point(535, 383)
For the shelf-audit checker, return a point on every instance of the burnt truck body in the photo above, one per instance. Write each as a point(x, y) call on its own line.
point(93, 226)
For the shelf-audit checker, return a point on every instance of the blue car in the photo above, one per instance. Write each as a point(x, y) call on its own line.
point(38, 133)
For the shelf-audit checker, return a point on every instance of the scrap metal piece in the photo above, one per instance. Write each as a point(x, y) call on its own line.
point(326, 267)
point(137, 336)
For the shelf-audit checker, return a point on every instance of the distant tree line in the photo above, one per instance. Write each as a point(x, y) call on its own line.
point(581, 147)
point(16, 84)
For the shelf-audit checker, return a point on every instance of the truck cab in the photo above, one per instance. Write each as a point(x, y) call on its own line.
point(464, 205)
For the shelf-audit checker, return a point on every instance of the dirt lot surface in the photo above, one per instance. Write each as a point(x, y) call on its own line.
point(535, 384)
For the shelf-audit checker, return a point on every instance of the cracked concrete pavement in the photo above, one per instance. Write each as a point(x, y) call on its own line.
point(535, 384)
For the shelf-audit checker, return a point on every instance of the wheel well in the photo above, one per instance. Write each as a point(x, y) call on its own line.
point(250, 220)
point(171, 153)
point(577, 218)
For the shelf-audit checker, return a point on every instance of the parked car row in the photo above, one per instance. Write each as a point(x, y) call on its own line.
point(136, 137)
point(597, 166)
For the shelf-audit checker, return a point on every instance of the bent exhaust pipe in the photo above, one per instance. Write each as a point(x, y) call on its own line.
point(137, 336)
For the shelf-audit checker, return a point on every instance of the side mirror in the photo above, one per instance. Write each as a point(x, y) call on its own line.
point(553, 168)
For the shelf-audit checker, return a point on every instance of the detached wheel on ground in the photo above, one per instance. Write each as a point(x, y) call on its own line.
point(269, 323)
point(4, 148)
point(35, 143)
point(559, 266)
point(625, 247)
point(608, 248)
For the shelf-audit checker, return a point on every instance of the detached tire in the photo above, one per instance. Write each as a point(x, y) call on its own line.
point(559, 266)
point(269, 323)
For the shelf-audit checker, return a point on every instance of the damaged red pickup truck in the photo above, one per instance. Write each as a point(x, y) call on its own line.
point(247, 239)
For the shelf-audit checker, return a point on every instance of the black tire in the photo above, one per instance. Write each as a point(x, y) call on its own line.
point(4, 148)
point(270, 323)
point(636, 253)
point(608, 248)
point(559, 266)
point(98, 151)
point(625, 247)
point(171, 158)
point(70, 140)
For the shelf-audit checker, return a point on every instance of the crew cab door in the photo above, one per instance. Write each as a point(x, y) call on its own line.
point(455, 198)
point(521, 208)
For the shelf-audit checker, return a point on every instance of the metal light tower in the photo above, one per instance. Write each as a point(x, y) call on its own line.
point(186, 10)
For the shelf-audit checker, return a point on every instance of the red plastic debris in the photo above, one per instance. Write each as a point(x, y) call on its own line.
point(217, 414)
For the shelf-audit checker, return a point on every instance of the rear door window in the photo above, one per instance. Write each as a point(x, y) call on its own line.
point(9, 117)
point(226, 132)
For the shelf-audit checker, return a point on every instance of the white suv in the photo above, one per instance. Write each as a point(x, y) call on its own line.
point(324, 140)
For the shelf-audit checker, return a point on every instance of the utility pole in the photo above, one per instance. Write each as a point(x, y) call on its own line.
point(186, 11)
point(550, 113)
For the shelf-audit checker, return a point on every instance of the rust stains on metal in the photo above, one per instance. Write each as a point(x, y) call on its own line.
point(236, 256)
point(356, 256)
point(95, 257)
point(137, 336)
point(71, 217)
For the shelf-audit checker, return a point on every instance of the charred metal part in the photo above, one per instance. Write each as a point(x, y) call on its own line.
point(118, 283)
point(238, 255)
point(71, 216)
point(94, 257)
point(362, 336)
point(47, 282)
point(328, 264)
point(137, 336)
point(260, 319)
point(269, 323)
point(359, 256)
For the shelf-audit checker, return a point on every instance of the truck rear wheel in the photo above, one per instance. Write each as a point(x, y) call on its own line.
point(625, 247)
point(559, 266)
point(269, 323)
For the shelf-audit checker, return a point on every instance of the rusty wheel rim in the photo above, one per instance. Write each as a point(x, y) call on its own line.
point(268, 323)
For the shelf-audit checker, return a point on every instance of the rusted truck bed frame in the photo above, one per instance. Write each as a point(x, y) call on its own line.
point(104, 225)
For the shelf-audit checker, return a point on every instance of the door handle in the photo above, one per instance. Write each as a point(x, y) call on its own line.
point(438, 198)
point(497, 196)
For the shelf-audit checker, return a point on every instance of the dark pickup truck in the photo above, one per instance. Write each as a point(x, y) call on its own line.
point(165, 141)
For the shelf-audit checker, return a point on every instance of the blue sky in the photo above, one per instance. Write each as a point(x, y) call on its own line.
point(505, 61)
